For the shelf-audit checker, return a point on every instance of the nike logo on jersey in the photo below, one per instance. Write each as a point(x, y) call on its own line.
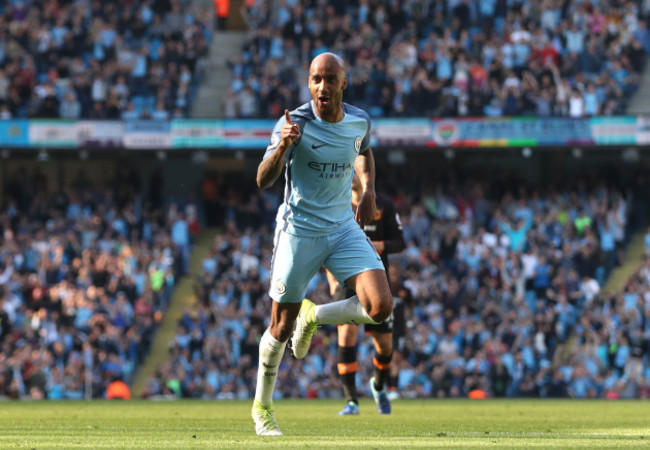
point(314, 146)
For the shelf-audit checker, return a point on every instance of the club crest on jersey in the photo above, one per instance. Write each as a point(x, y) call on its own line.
point(280, 287)
point(275, 140)
point(357, 144)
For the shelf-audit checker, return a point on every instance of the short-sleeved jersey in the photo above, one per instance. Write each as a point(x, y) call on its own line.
point(318, 169)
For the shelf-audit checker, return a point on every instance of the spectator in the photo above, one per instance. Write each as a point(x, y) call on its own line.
point(487, 62)
point(5, 114)
point(485, 315)
point(222, 11)
point(121, 57)
point(70, 107)
point(75, 261)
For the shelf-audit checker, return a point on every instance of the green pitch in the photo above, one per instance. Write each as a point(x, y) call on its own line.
point(314, 424)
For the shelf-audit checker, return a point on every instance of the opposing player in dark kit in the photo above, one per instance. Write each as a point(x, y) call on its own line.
point(385, 233)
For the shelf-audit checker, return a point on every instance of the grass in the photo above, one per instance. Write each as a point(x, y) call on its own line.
point(314, 424)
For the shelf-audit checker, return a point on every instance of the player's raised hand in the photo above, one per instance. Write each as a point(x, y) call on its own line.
point(290, 131)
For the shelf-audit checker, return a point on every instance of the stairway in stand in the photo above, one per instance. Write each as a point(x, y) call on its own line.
point(183, 298)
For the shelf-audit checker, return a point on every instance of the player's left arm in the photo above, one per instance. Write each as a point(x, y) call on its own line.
point(364, 166)
point(394, 241)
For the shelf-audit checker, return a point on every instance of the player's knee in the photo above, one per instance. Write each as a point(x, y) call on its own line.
point(379, 316)
point(282, 330)
point(382, 310)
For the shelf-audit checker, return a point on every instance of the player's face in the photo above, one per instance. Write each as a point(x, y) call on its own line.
point(326, 82)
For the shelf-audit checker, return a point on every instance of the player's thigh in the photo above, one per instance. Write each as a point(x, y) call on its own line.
point(373, 291)
point(296, 259)
point(351, 254)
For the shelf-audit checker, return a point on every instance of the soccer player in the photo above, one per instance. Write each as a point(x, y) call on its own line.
point(385, 234)
point(318, 145)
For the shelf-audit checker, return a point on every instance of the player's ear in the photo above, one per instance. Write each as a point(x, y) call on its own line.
point(345, 80)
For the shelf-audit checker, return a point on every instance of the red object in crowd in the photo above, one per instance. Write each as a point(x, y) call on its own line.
point(222, 8)
point(477, 394)
point(118, 390)
point(194, 227)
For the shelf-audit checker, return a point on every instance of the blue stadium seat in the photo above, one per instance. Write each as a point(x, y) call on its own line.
point(376, 111)
point(138, 101)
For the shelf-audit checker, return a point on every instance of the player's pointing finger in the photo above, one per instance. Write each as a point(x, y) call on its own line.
point(287, 117)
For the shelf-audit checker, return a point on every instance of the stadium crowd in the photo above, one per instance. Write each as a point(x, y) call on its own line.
point(612, 359)
point(86, 273)
point(447, 57)
point(498, 282)
point(107, 59)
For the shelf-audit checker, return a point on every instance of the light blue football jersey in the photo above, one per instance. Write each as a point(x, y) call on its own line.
point(318, 169)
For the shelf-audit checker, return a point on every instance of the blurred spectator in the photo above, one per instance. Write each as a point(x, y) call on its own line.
point(70, 107)
point(461, 58)
point(500, 288)
point(86, 273)
point(103, 54)
point(222, 11)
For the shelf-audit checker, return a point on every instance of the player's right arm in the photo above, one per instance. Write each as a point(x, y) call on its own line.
point(271, 166)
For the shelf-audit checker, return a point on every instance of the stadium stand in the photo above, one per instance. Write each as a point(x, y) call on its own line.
point(501, 285)
point(101, 60)
point(504, 282)
point(611, 358)
point(86, 273)
point(447, 58)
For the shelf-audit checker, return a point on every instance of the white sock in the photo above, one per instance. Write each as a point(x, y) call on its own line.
point(349, 310)
point(271, 353)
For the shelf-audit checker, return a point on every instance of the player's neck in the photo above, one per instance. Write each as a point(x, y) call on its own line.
point(331, 117)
